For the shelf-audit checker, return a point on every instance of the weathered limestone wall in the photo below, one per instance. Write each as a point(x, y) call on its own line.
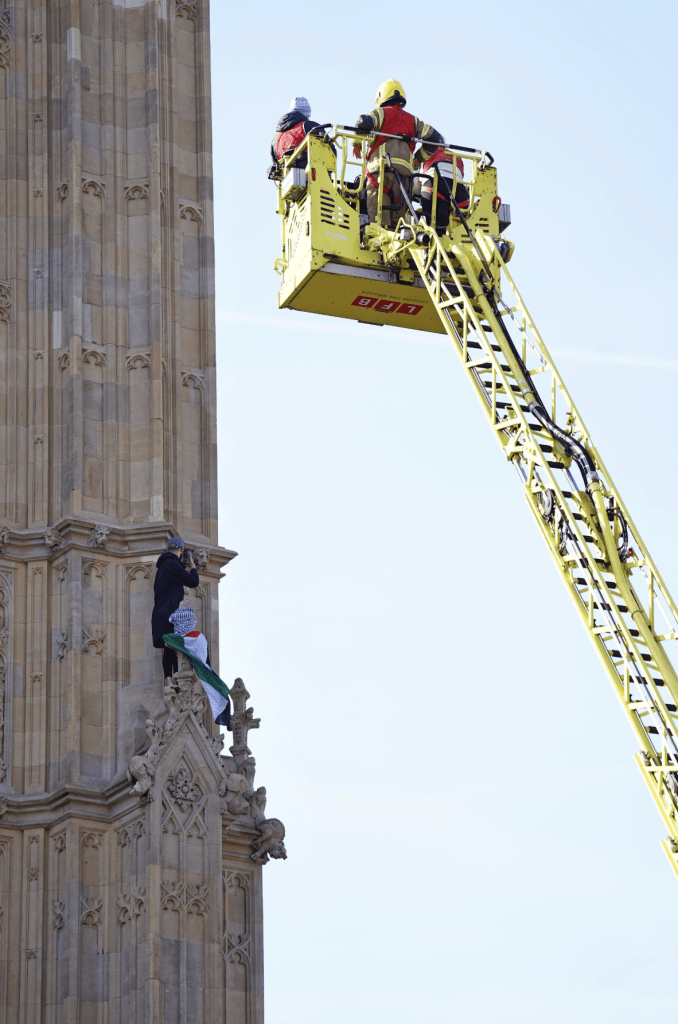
point(140, 904)
point(107, 265)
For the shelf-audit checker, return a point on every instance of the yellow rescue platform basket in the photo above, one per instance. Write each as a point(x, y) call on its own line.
point(336, 264)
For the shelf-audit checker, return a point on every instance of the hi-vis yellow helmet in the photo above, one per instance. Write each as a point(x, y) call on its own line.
point(390, 91)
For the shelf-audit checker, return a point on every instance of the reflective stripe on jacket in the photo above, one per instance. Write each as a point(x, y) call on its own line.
point(440, 156)
point(395, 121)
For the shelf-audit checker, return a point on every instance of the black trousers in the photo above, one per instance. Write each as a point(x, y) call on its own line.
point(443, 205)
point(170, 661)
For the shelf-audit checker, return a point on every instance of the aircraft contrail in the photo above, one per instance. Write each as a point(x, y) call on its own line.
point(328, 325)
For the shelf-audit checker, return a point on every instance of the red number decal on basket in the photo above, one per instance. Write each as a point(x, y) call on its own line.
point(409, 309)
point(386, 307)
point(362, 300)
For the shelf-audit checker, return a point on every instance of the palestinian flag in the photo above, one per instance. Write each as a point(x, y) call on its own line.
point(194, 646)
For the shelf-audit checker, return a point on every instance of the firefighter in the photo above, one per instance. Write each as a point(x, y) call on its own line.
point(390, 117)
point(437, 168)
point(291, 130)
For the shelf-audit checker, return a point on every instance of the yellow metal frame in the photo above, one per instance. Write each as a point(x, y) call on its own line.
point(328, 261)
point(616, 587)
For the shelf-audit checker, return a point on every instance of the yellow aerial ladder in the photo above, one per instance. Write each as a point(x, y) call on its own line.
point(457, 283)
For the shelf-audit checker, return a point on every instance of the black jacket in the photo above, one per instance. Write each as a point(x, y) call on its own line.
point(286, 122)
point(170, 580)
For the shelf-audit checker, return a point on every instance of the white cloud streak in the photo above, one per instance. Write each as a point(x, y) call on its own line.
point(346, 328)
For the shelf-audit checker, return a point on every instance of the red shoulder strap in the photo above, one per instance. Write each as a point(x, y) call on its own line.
point(396, 122)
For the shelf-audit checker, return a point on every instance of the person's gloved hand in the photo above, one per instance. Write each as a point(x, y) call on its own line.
point(357, 149)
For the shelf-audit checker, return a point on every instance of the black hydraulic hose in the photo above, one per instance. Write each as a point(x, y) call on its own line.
point(573, 449)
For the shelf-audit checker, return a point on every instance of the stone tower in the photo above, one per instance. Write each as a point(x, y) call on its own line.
point(130, 847)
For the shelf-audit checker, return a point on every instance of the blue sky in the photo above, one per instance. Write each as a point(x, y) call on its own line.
point(469, 839)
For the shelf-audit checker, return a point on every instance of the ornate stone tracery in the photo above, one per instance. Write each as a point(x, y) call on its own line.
point(184, 787)
point(180, 896)
point(131, 905)
point(187, 9)
point(6, 40)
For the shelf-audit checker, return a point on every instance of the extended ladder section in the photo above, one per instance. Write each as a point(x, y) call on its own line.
point(616, 587)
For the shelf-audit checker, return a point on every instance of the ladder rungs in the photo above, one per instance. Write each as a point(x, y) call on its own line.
point(509, 405)
point(476, 344)
point(617, 654)
point(611, 586)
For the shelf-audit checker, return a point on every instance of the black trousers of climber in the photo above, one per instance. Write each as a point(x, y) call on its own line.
point(170, 661)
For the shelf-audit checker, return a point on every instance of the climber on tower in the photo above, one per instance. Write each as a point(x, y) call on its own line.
point(175, 571)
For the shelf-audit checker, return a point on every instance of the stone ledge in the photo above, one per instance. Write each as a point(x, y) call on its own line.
point(134, 540)
point(45, 810)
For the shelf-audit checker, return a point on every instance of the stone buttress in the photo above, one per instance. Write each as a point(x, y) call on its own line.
point(130, 847)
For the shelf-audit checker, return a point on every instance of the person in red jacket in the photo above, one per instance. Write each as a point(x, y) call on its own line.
point(437, 168)
point(291, 130)
point(390, 117)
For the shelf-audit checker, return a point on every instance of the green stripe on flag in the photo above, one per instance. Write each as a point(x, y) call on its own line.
point(204, 674)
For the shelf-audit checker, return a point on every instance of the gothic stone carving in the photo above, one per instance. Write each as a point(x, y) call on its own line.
point(54, 540)
point(141, 769)
point(239, 799)
point(6, 39)
point(131, 904)
point(271, 831)
point(189, 211)
point(97, 188)
point(242, 719)
point(5, 301)
point(59, 912)
point(234, 795)
point(61, 644)
point(187, 9)
point(99, 536)
point(184, 787)
point(93, 642)
point(201, 557)
point(192, 899)
point(133, 192)
point(90, 910)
